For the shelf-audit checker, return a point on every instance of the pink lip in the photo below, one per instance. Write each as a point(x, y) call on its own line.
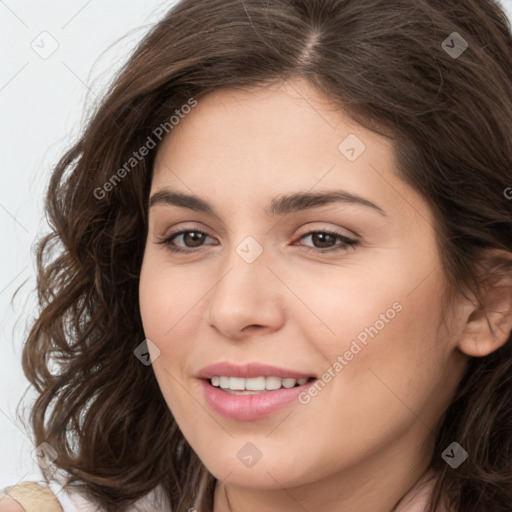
point(248, 371)
point(254, 406)
point(249, 407)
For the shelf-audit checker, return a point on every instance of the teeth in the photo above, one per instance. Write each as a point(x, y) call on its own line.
point(237, 383)
point(255, 383)
point(289, 383)
point(272, 383)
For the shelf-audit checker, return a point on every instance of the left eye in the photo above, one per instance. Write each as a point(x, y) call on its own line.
point(324, 238)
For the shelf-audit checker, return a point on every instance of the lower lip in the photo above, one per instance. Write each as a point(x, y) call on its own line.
point(250, 407)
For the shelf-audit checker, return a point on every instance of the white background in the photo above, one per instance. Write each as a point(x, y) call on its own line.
point(42, 102)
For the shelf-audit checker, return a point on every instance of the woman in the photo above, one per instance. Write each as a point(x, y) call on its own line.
point(284, 270)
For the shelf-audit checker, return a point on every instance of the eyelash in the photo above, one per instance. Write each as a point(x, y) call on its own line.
point(347, 242)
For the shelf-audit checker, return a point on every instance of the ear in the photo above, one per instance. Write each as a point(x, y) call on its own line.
point(489, 327)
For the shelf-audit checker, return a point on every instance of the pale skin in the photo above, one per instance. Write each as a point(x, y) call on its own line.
point(365, 441)
point(8, 504)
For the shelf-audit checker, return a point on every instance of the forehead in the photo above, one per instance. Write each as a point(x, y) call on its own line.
point(253, 144)
point(274, 128)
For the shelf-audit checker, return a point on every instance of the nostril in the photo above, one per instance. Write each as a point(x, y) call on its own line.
point(251, 327)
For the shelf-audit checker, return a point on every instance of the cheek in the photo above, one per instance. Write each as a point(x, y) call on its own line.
point(390, 368)
point(166, 312)
point(170, 309)
point(381, 347)
point(166, 298)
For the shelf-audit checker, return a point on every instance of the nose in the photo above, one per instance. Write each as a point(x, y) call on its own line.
point(249, 298)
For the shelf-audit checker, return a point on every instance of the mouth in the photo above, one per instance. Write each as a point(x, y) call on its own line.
point(253, 398)
point(256, 385)
point(253, 390)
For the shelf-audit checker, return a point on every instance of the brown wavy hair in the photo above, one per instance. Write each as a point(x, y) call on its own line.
point(382, 61)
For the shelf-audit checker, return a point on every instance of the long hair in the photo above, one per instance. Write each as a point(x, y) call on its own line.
point(394, 66)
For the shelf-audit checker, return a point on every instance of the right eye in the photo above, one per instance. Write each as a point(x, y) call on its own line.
point(195, 240)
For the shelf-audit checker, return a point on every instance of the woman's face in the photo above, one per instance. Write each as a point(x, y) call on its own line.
point(276, 281)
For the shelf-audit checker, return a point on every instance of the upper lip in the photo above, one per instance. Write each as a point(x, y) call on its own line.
point(249, 370)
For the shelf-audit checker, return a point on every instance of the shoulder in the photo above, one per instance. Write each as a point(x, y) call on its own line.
point(28, 496)
point(8, 504)
point(42, 496)
point(55, 497)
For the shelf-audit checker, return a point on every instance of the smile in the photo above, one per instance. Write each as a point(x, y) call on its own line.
point(252, 404)
point(239, 385)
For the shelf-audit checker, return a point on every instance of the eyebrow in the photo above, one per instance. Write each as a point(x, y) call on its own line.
point(280, 205)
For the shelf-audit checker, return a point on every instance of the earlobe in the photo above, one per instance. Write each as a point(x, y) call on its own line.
point(489, 327)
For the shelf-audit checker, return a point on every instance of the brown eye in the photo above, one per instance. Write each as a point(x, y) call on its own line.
point(327, 240)
point(323, 240)
point(191, 238)
point(191, 241)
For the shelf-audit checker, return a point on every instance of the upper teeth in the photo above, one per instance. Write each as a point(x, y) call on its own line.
point(256, 383)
